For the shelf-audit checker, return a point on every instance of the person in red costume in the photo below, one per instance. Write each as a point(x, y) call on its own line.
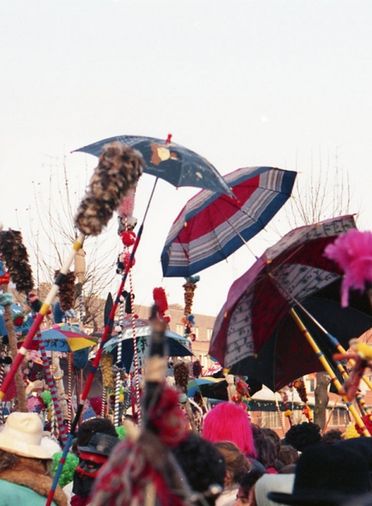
point(92, 456)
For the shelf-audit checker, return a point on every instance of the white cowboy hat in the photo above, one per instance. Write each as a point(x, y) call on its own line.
point(22, 434)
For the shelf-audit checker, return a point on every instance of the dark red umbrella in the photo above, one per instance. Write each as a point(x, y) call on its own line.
point(253, 327)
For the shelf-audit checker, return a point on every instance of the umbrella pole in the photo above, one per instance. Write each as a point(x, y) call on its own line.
point(40, 316)
point(327, 367)
point(334, 341)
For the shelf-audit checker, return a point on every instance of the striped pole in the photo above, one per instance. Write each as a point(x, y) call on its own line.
point(2, 374)
point(39, 317)
point(103, 406)
point(118, 373)
point(53, 391)
point(135, 352)
point(69, 389)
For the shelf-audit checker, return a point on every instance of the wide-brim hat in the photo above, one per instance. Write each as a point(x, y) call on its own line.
point(327, 475)
point(22, 435)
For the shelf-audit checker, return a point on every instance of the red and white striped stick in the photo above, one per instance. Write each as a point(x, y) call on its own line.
point(54, 392)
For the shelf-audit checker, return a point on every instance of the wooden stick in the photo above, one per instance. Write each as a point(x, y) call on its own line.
point(327, 367)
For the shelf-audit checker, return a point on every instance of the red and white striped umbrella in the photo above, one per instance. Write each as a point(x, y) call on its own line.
point(212, 226)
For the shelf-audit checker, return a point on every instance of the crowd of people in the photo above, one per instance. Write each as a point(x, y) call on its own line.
point(233, 462)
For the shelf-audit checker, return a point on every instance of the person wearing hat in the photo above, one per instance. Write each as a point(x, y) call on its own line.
point(327, 475)
point(92, 456)
point(25, 462)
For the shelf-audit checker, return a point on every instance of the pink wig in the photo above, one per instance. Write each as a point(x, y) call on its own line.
point(229, 422)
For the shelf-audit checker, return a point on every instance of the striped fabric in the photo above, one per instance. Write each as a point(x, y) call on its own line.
point(211, 227)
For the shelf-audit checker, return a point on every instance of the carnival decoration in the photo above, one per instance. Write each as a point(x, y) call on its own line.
point(353, 253)
point(169, 161)
point(14, 254)
point(211, 227)
point(134, 472)
point(254, 320)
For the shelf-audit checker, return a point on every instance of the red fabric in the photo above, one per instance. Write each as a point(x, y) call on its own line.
point(77, 500)
point(271, 470)
point(132, 467)
point(219, 211)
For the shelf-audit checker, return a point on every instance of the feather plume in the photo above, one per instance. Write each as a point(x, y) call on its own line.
point(352, 251)
point(67, 291)
point(15, 255)
point(118, 170)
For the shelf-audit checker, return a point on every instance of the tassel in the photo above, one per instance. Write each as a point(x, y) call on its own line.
point(118, 170)
point(66, 290)
point(15, 255)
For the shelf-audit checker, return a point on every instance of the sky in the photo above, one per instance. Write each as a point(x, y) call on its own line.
point(285, 83)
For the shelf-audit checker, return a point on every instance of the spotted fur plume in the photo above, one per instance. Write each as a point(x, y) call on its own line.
point(15, 255)
point(181, 376)
point(67, 291)
point(118, 170)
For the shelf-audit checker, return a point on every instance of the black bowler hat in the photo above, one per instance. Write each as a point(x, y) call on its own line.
point(327, 475)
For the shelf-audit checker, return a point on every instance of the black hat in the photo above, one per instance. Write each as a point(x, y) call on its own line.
point(100, 444)
point(327, 475)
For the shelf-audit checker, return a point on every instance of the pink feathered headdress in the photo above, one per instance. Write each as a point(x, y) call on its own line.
point(229, 422)
point(352, 251)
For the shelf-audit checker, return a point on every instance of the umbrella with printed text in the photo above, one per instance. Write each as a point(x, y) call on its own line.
point(254, 333)
point(211, 227)
point(167, 160)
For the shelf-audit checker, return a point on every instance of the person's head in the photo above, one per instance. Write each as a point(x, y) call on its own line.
point(92, 455)
point(288, 456)
point(246, 484)
point(303, 435)
point(332, 436)
point(229, 422)
point(236, 463)
point(92, 426)
point(267, 444)
point(202, 464)
point(326, 475)
point(22, 436)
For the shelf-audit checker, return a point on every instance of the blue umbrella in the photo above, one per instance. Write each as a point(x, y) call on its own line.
point(178, 346)
point(166, 160)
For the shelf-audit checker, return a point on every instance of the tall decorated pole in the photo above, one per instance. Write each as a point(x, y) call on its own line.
point(14, 254)
point(118, 170)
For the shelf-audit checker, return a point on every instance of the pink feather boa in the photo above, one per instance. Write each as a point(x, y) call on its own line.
point(352, 251)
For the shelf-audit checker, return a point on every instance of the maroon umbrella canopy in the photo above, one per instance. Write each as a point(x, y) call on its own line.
point(253, 325)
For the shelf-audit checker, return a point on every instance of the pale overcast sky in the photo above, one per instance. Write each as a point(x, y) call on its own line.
point(267, 82)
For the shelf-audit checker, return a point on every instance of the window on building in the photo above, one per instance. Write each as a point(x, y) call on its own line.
point(311, 384)
point(196, 332)
point(180, 329)
point(271, 419)
point(209, 334)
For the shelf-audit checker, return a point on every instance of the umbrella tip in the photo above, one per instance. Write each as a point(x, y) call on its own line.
point(169, 139)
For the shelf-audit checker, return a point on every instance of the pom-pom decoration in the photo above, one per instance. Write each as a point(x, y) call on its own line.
point(197, 369)
point(66, 290)
point(160, 301)
point(181, 376)
point(352, 251)
point(119, 168)
point(106, 371)
point(128, 238)
point(71, 464)
point(15, 255)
